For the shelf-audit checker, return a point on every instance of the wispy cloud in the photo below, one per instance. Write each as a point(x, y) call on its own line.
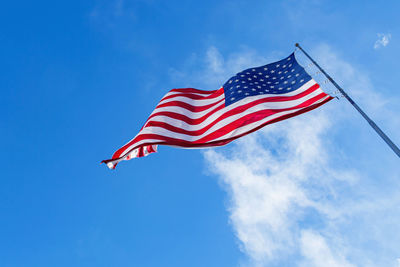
point(290, 201)
point(109, 13)
point(383, 40)
point(280, 183)
point(317, 252)
point(211, 70)
point(357, 83)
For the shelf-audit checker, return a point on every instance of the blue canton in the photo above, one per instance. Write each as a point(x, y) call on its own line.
point(279, 77)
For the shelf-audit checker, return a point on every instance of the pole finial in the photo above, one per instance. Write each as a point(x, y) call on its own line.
point(297, 45)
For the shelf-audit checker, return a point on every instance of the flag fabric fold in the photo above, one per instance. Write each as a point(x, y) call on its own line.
point(253, 98)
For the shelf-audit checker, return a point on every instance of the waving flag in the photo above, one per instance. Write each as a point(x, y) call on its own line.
point(253, 98)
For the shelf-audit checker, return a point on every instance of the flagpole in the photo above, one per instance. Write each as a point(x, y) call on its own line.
point(371, 122)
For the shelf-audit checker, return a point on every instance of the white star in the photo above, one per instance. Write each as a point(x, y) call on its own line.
point(242, 75)
point(245, 87)
point(289, 76)
point(259, 73)
point(280, 88)
point(243, 81)
point(253, 69)
point(237, 86)
point(285, 82)
point(236, 80)
point(253, 89)
point(258, 86)
point(232, 98)
point(247, 72)
point(264, 84)
point(290, 65)
point(282, 78)
point(301, 80)
point(286, 72)
point(246, 93)
point(279, 72)
point(277, 65)
point(284, 66)
point(239, 91)
point(288, 88)
point(269, 82)
point(249, 79)
point(254, 76)
point(292, 70)
point(256, 82)
point(265, 68)
point(273, 78)
point(293, 82)
point(271, 86)
point(276, 82)
point(272, 71)
point(261, 80)
point(297, 74)
point(230, 81)
point(288, 58)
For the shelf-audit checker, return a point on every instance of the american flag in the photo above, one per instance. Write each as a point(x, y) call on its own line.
point(253, 98)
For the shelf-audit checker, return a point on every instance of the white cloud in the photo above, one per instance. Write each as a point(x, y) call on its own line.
point(215, 68)
point(318, 253)
point(383, 40)
point(273, 190)
point(289, 196)
point(291, 188)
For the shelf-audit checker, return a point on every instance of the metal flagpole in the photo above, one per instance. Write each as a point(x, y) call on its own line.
point(371, 122)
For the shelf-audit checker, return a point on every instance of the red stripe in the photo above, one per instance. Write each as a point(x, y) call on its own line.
point(183, 143)
point(196, 97)
point(188, 106)
point(192, 90)
point(150, 149)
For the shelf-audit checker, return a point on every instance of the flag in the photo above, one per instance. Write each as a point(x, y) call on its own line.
point(253, 98)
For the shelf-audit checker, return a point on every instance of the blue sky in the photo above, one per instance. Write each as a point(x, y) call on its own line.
point(78, 79)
